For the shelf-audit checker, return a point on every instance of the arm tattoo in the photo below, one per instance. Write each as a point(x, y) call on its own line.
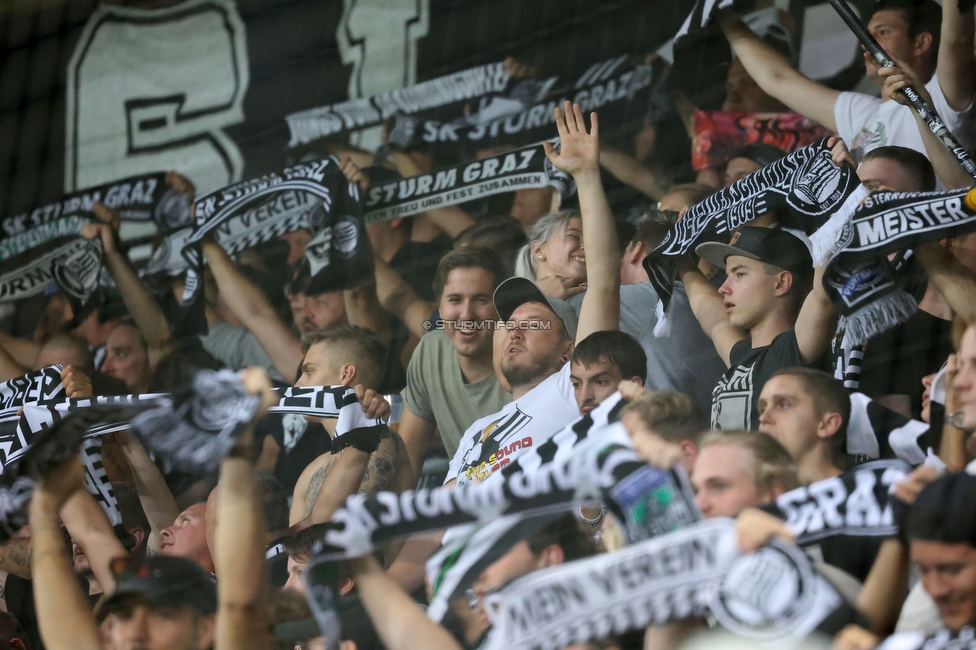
point(381, 469)
point(315, 483)
point(15, 556)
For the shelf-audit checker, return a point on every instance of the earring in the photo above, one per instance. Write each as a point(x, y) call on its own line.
point(542, 257)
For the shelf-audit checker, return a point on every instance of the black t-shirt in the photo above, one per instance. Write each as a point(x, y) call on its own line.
point(896, 360)
point(300, 442)
point(735, 396)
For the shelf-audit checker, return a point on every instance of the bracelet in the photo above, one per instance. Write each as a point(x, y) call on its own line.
point(596, 521)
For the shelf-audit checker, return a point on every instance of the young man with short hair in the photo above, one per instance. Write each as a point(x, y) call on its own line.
point(740, 469)
point(600, 362)
point(673, 417)
point(344, 356)
point(918, 33)
point(807, 412)
point(450, 378)
point(764, 316)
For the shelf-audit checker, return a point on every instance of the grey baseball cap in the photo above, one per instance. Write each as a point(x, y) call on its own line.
point(517, 291)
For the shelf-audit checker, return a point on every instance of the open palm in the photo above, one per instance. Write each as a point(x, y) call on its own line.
point(579, 151)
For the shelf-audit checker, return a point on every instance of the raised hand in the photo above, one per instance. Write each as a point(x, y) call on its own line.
point(374, 405)
point(579, 151)
point(840, 153)
point(898, 76)
point(559, 286)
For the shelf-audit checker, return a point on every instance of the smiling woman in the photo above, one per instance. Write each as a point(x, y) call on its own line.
point(555, 250)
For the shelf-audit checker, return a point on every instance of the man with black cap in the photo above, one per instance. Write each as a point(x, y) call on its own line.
point(170, 602)
point(539, 334)
point(764, 316)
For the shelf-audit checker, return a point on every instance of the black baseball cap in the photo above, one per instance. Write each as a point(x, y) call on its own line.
point(769, 245)
point(945, 511)
point(517, 291)
point(165, 581)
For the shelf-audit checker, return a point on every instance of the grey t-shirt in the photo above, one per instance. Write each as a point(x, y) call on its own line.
point(436, 390)
point(685, 361)
point(237, 348)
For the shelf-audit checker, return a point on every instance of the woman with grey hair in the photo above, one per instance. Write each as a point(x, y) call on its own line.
point(554, 258)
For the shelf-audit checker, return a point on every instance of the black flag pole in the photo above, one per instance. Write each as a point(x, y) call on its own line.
point(927, 113)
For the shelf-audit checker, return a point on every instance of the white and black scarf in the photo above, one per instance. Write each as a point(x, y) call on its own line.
point(874, 431)
point(859, 278)
point(33, 242)
point(856, 503)
point(807, 182)
point(695, 571)
point(945, 639)
point(483, 81)
point(618, 88)
point(505, 172)
point(262, 209)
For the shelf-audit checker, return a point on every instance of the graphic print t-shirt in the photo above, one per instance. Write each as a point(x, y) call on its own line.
point(494, 441)
point(735, 396)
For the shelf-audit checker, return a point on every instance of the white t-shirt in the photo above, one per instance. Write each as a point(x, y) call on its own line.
point(494, 441)
point(866, 123)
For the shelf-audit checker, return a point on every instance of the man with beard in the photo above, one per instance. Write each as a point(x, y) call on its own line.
point(541, 333)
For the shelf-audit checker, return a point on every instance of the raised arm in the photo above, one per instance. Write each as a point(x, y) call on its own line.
point(9, 368)
point(947, 168)
point(452, 219)
point(154, 495)
point(363, 308)
point(92, 531)
point(400, 623)
point(253, 309)
point(146, 312)
point(817, 321)
point(708, 307)
point(400, 300)
point(956, 65)
point(240, 538)
point(628, 169)
point(953, 280)
point(579, 155)
point(23, 352)
point(774, 74)
point(63, 615)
